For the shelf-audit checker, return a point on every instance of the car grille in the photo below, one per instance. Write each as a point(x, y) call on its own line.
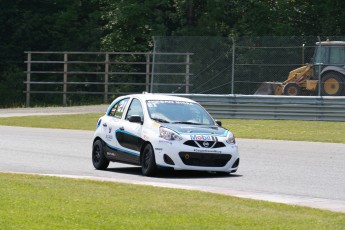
point(204, 159)
point(211, 144)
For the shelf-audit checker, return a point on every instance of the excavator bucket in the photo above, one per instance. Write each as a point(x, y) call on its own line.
point(268, 88)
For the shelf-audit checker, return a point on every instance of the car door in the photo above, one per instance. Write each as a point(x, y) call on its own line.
point(129, 134)
point(113, 125)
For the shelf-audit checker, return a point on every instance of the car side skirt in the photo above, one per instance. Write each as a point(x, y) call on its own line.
point(119, 155)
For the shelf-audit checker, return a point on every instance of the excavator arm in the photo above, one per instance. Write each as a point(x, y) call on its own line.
point(298, 76)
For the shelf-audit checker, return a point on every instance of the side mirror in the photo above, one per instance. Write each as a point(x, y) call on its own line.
point(219, 123)
point(135, 119)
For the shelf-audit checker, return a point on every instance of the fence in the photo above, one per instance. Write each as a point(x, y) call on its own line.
point(100, 73)
point(238, 65)
point(197, 65)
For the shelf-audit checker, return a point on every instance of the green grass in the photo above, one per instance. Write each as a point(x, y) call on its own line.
point(316, 131)
point(71, 121)
point(319, 131)
point(38, 202)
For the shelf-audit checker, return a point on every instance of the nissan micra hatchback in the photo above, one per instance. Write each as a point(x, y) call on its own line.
point(155, 130)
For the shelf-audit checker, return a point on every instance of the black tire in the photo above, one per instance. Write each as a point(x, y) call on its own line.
point(332, 84)
point(148, 161)
point(292, 89)
point(99, 160)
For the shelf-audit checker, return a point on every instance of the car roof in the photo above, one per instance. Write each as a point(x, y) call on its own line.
point(158, 96)
point(331, 43)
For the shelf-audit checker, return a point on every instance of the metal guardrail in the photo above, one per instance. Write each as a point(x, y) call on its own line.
point(272, 107)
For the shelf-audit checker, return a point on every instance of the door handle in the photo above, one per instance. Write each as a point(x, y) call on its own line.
point(105, 125)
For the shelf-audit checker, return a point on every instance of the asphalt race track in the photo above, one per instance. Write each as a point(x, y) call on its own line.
point(301, 173)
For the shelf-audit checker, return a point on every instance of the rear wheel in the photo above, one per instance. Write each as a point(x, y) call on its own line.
point(98, 158)
point(292, 89)
point(148, 161)
point(332, 84)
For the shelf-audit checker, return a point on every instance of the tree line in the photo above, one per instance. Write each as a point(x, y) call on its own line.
point(128, 25)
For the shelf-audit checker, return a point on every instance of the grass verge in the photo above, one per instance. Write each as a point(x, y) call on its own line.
point(41, 202)
point(317, 131)
point(70, 121)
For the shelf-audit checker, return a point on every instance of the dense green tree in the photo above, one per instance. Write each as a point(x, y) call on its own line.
point(128, 25)
point(50, 24)
point(131, 23)
point(42, 25)
point(326, 17)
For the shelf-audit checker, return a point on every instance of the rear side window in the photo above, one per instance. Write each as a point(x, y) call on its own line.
point(118, 108)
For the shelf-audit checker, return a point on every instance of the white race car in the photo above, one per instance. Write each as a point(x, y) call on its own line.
point(155, 130)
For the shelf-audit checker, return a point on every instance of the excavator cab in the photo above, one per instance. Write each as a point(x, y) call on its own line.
point(329, 64)
point(326, 55)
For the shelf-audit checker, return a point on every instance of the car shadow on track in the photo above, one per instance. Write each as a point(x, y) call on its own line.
point(172, 174)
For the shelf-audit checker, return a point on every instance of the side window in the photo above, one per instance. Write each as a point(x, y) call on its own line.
point(118, 108)
point(337, 56)
point(135, 109)
point(322, 54)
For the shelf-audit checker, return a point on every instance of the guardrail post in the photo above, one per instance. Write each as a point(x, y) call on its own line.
point(320, 82)
point(106, 78)
point(187, 72)
point(153, 63)
point(233, 66)
point(28, 79)
point(147, 83)
point(303, 53)
point(65, 69)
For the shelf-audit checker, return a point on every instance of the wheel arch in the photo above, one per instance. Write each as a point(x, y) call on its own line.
point(336, 69)
point(143, 145)
point(96, 139)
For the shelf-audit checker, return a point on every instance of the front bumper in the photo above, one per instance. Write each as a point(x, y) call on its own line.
point(182, 155)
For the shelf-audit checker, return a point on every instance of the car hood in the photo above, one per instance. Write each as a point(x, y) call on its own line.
point(197, 129)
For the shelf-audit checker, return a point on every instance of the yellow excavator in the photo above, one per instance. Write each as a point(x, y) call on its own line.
point(328, 64)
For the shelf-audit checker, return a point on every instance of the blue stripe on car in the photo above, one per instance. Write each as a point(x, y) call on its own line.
point(99, 123)
point(123, 150)
point(112, 105)
point(125, 132)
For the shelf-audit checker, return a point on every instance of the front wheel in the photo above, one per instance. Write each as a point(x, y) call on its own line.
point(148, 161)
point(98, 158)
point(292, 89)
point(332, 84)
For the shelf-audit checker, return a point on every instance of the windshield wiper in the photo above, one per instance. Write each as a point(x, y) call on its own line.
point(186, 122)
point(160, 120)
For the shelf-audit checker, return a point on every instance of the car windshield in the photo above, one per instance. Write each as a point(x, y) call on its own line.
point(181, 112)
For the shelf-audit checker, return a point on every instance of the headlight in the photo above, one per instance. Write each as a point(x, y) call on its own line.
point(231, 139)
point(168, 134)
